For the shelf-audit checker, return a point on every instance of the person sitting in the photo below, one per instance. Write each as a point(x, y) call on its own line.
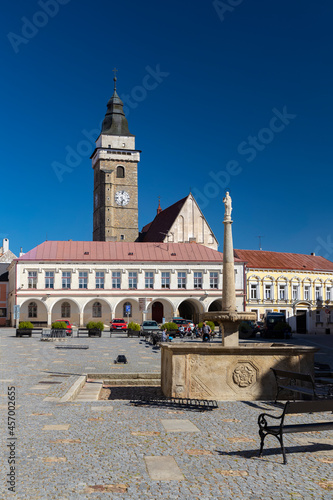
point(181, 331)
point(164, 336)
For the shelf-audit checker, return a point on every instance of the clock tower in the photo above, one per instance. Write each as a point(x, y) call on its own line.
point(115, 163)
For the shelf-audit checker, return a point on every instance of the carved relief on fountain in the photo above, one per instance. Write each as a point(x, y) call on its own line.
point(244, 374)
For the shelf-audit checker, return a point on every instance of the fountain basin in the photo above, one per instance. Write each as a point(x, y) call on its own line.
point(237, 373)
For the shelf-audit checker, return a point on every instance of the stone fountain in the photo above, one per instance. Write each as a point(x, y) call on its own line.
point(229, 371)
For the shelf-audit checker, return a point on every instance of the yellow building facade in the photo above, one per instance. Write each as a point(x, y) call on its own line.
point(300, 286)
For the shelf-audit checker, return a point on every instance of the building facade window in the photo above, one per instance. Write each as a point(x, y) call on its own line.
point(65, 310)
point(213, 280)
point(328, 293)
point(181, 280)
point(197, 280)
point(165, 280)
point(127, 310)
point(318, 294)
point(83, 279)
point(133, 280)
point(253, 291)
point(306, 292)
point(66, 279)
point(97, 310)
point(268, 292)
point(282, 292)
point(32, 310)
point(32, 279)
point(49, 279)
point(295, 292)
point(149, 279)
point(116, 279)
point(99, 279)
point(318, 317)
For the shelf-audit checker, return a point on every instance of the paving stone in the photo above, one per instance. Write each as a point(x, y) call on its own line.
point(39, 387)
point(54, 459)
point(175, 425)
point(111, 488)
point(102, 408)
point(111, 452)
point(163, 469)
point(56, 427)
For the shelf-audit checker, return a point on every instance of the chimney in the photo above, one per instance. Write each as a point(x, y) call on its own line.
point(5, 245)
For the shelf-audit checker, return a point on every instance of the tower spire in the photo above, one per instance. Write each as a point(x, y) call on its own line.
point(115, 122)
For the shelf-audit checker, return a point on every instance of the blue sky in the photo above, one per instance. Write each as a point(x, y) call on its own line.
point(242, 102)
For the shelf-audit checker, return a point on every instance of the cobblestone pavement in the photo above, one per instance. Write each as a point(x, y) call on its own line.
point(112, 449)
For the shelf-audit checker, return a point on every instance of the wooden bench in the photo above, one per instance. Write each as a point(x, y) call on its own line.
point(286, 380)
point(29, 332)
point(290, 408)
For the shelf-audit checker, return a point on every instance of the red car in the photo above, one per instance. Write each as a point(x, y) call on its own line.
point(118, 324)
point(69, 326)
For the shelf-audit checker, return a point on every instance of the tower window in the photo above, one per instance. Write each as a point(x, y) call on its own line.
point(122, 236)
point(120, 172)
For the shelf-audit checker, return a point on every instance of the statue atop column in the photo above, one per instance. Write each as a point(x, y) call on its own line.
point(227, 204)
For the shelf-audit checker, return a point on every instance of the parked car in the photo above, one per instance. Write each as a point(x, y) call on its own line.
point(118, 324)
point(69, 326)
point(148, 326)
point(183, 322)
point(258, 327)
point(246, 329)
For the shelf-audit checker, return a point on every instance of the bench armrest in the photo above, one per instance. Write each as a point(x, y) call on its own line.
point(263, 423)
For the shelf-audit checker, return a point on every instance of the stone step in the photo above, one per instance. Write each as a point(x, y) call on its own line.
point(127, 376)
point(133, 382)
point(90, 391)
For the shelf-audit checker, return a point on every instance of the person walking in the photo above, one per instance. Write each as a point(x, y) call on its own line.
point(206, 331)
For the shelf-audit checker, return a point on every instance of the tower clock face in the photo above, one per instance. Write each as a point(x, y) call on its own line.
point(122, 198)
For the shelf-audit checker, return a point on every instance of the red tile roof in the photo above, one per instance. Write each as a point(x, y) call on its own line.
point(160, 226)
point(278, 260)
point(121, 251)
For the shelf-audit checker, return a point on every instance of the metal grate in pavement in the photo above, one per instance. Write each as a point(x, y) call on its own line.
point(197, 404)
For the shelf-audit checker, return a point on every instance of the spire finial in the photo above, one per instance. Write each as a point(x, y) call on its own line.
point(159, 209)
point(115, 77)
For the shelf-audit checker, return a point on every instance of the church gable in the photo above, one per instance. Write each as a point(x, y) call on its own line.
point(191, 226)
point(182, 222)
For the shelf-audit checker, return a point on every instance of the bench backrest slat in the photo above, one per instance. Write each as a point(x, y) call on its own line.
point(309, 406)
point(306, 377)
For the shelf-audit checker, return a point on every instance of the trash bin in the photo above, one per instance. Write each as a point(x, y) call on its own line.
point(327, 331)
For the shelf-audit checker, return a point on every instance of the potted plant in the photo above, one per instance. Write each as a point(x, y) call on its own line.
point(58, 329)
point(24, 328)
point(95, 328)
point(133, 329)
point(172, 328)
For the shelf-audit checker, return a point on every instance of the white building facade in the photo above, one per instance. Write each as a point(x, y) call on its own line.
point(99, 281)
